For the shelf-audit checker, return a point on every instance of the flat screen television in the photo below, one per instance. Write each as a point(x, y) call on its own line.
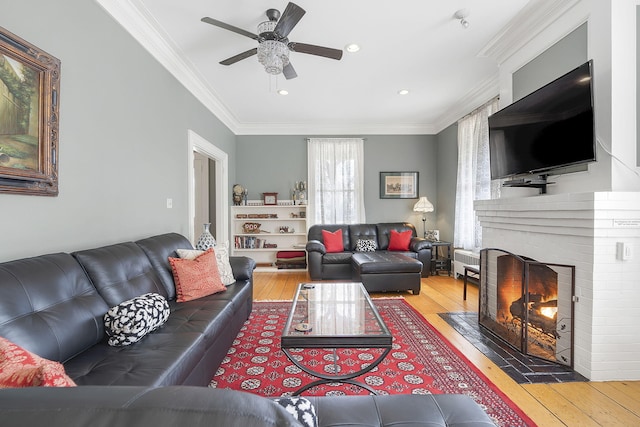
point(548, 129)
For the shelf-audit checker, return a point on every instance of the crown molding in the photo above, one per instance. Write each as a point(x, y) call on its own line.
point(138, 22)
point(534, 18)
point(333, 129)
point(483, 92)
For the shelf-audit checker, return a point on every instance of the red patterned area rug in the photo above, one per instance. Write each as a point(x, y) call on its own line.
point(422, 361)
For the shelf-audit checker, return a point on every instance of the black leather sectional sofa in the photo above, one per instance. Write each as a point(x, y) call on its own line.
point(53, 305)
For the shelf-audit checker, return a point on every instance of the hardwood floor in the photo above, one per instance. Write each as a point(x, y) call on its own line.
point(584, 404)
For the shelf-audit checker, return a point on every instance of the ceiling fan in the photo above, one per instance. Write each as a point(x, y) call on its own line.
point(273, 45)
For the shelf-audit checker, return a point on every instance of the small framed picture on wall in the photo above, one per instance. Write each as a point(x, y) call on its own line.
point(398, 185)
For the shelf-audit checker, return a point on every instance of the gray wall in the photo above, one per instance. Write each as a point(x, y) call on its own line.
point(447, 168)
point(562, 57)
point(274, 163)
point(123, 136)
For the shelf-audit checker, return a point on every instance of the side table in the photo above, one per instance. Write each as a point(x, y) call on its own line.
point(440, 263)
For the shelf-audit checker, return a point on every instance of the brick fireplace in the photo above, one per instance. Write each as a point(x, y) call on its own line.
point(582, 229)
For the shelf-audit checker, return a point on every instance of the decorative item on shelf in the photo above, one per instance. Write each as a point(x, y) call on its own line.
point(423, 205)
point(238, 192)
point(270, 245)
point(206, 240)
point(251, 227)
point(286, 229)
point(270, 198)
point(245, 195)
point(300, 193)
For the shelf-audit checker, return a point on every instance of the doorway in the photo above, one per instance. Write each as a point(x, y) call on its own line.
point(207, 164)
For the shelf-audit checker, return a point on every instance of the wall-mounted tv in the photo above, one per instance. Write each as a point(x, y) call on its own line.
point(550, 128)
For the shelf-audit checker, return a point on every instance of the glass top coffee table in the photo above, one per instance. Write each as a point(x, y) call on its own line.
point(334, 315)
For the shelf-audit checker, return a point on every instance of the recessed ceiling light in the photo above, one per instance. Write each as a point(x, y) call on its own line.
point(403, 92)
point(352, 48)
point(283, 92)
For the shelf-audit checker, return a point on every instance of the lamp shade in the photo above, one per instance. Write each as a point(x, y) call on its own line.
point(423, 205)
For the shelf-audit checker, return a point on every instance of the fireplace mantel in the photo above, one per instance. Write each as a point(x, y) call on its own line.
point(582, 229)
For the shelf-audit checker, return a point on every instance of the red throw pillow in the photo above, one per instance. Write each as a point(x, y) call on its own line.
point(400, 241)
point(196, 278)
point(21, 368)
point(333, 241)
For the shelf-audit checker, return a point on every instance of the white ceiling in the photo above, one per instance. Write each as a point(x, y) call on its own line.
point(410, 44)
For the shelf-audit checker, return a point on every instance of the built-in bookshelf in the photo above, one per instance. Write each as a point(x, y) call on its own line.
point(261, 231)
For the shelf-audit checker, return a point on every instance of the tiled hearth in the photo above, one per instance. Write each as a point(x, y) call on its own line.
point(521, 368)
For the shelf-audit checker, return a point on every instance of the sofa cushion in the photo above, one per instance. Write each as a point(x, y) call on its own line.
point(21, 368)
point(361, 231)
point(131, 320)
point(300, 408)
point(50, 307)
point(399, 241)
point(332, 240)
point(120, 272)
point(158, 249)
point(196, 278)
point(366, 245)
point(222, 259)
point(384, 232)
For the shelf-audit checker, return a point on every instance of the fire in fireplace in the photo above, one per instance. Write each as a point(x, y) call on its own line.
point(528, 304)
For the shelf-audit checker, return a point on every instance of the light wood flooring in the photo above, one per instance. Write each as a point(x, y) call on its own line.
point(584, 404)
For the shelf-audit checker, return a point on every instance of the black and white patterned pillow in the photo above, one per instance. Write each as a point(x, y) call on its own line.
point(300, 408)
point(129, 321)
point(366, 245)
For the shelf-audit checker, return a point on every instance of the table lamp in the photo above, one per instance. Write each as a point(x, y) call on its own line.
point(423, 205)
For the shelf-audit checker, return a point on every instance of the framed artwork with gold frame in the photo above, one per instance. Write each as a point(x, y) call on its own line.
point(29, 118)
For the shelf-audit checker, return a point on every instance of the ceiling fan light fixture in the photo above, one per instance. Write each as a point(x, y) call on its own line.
point(273, 55)
point(352, 48)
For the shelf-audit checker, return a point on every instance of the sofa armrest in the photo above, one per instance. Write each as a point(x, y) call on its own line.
point(242, 267)
point(419, 243)
point(316, 246)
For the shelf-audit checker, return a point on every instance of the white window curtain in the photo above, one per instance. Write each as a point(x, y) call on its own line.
point(474, 175)
point(336, 180)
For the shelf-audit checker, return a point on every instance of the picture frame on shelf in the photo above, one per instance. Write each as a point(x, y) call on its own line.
point(270, 199)
point(398, 185)
point(30, 120)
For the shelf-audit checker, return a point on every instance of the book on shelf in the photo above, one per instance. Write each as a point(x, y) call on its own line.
point(250, 242)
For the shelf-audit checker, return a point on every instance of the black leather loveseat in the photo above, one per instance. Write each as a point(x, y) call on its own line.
point(341, 265)
point(53, 305)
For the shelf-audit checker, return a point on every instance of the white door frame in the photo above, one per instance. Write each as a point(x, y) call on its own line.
point(199, 144)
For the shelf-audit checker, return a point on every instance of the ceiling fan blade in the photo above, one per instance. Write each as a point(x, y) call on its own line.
point(289, 72)
point(237, 30)
point(292, 14)
point(240, 56)
point(311, 49)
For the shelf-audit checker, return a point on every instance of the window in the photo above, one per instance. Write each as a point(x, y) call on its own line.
point(474, 174)
point(336, 180)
